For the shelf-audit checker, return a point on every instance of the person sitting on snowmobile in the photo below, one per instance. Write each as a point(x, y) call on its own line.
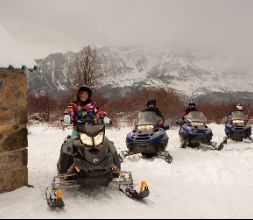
point(83, 108)
point(191, 107)
point(239, 108)
point(152, 107)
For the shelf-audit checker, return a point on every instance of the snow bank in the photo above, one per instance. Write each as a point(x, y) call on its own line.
point(198, 184)
point(11, 53)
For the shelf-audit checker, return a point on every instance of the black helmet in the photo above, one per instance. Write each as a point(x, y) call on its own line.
point(84, 89)
point(192, 104)
point(151, 103)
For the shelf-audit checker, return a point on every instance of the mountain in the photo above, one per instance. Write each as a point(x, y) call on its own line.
point(129, 69)
point(52, 76)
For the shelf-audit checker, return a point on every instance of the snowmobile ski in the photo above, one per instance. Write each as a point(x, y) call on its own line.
point(163, 155)
point(166, 156)
point(124, 182)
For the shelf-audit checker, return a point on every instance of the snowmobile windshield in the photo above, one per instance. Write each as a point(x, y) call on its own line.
point(91, 130)
point(148, 118)
point(196, 116)
point(238, 115)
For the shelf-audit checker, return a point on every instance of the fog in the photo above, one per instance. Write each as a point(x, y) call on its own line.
point(46, 26)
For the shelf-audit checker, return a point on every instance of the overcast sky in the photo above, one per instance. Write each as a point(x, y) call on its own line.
point(45, 26)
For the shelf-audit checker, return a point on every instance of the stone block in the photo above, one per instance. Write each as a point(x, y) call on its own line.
point(16, 140)
point(13, 88)
point(7, 127)
point(13, 179)
point(13, 159)
point(13, 132)
point(7, 115)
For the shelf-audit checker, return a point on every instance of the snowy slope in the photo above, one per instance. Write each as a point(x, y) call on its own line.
point(11, 53)
point(171, 67)
point(197, 184)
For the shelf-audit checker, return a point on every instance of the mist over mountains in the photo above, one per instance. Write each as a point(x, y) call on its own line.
point(127, 69)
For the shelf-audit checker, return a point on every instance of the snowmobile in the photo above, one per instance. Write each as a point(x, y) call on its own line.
point(148, 137)
point(237, 127)
point(194, 132)
point(90, 160)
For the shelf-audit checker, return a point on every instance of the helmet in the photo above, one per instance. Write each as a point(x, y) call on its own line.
point(151, 103)
point(239, 107)
point(85, 89)
point(192, 104)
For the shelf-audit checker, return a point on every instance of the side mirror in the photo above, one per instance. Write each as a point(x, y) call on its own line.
point(166, 125)
point(180, 122)
point(67, 120)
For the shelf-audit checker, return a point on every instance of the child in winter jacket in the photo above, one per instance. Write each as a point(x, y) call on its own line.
point(82, 109)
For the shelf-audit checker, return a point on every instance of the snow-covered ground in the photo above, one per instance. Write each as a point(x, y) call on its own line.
point(198, 184)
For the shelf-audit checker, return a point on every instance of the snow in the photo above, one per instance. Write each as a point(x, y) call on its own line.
point(198, 184)
point(11, 53)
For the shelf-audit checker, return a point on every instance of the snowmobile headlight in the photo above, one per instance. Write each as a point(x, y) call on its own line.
point(87, 140)
point(99, 139)
point(198, 124)
point(145, 127)
point(239, 122)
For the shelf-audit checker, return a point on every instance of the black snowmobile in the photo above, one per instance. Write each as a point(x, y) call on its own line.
point(195, 133)
point(148, 137)
point(237, 127)
point(90, 160)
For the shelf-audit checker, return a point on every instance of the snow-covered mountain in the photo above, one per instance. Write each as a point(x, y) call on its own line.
point(51, 77)
point(127, 69)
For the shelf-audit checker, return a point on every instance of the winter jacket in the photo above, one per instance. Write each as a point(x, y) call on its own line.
point(79, 112)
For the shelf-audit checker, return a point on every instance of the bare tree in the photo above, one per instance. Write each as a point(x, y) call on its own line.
point(84, 68)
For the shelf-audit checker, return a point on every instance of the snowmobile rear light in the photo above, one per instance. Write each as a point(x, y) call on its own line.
point(145, 127)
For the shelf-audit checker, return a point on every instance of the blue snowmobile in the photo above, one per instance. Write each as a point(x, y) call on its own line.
point(148, 137)
point(194, 132)
point(237, 127)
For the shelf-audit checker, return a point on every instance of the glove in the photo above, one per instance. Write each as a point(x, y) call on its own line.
point(107, 120)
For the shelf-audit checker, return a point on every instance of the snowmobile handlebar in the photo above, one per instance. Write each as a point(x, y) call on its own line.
point(67, 121)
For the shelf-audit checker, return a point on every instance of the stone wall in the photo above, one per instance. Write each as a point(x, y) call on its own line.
point(13, 132)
